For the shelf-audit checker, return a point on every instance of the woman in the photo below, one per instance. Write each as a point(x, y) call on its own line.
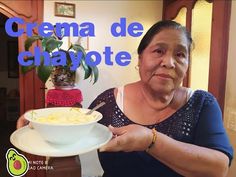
point(160, 128)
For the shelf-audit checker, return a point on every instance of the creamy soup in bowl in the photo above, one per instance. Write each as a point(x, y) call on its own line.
point(62, 125)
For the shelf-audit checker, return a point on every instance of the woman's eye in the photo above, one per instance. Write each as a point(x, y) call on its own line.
point(159, 52)
point(181, 55)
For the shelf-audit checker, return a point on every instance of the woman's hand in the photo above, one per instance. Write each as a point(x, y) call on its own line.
point(129, 138)
point(21, 122)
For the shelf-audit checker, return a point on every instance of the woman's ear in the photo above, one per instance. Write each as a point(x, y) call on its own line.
point(139, 60)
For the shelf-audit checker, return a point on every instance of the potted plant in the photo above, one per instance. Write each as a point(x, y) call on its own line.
point(61, 75)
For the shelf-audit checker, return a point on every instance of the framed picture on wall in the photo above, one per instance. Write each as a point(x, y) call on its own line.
point(12, 55)
point(64, 9)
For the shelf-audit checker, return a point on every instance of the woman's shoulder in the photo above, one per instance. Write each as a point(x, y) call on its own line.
point(203, 92)
point(203, 95)
point(197, 99)
point(200, 99)
point(197, 93)
point(112, 92)
point(106, 94)
point(107, 91)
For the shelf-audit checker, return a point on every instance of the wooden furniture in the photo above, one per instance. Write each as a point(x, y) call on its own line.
point(9, 105)
point(31, 92)
point(3, 98)
point(64, 167)
point(12, 108)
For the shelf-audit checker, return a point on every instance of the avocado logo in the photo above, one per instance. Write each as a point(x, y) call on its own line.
point(17, 164)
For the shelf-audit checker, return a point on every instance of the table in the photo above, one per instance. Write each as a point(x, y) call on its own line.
point(64, 166)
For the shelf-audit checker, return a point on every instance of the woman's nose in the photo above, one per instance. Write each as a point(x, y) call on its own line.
point(168, 61)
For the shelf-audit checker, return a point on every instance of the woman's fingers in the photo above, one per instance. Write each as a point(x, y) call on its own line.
point(120, 140)
point(110, 146)
point(30, 125)
point(117, 131)
point(128, 138)
point(117, 141)
point(116, 144)
point(21, 122)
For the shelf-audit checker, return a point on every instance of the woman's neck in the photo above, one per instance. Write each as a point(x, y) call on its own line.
point(156, 100)
point(147, 108)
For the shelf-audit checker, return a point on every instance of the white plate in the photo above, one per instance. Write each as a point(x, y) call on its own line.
point(30, 141)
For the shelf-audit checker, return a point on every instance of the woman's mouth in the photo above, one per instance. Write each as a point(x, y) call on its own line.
point(164, 76)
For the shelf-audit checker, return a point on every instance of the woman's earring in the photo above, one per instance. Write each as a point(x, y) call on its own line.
point(137, 67)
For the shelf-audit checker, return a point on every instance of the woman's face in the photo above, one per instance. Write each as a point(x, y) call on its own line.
point(164, 62)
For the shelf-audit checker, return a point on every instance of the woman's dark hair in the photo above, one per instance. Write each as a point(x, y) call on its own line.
point(158, 27)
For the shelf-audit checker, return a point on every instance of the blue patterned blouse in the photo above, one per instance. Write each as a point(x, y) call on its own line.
point(198, 122)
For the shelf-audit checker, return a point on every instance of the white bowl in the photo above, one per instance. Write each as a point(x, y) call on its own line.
point(65, 132)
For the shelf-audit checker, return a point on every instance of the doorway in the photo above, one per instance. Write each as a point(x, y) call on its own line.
point(9, 90)
point(218, 47)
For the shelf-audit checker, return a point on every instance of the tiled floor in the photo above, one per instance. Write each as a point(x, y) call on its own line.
point(6, 128)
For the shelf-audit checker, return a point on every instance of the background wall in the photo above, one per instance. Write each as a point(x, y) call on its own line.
point(230, 97)
point(102, 14)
